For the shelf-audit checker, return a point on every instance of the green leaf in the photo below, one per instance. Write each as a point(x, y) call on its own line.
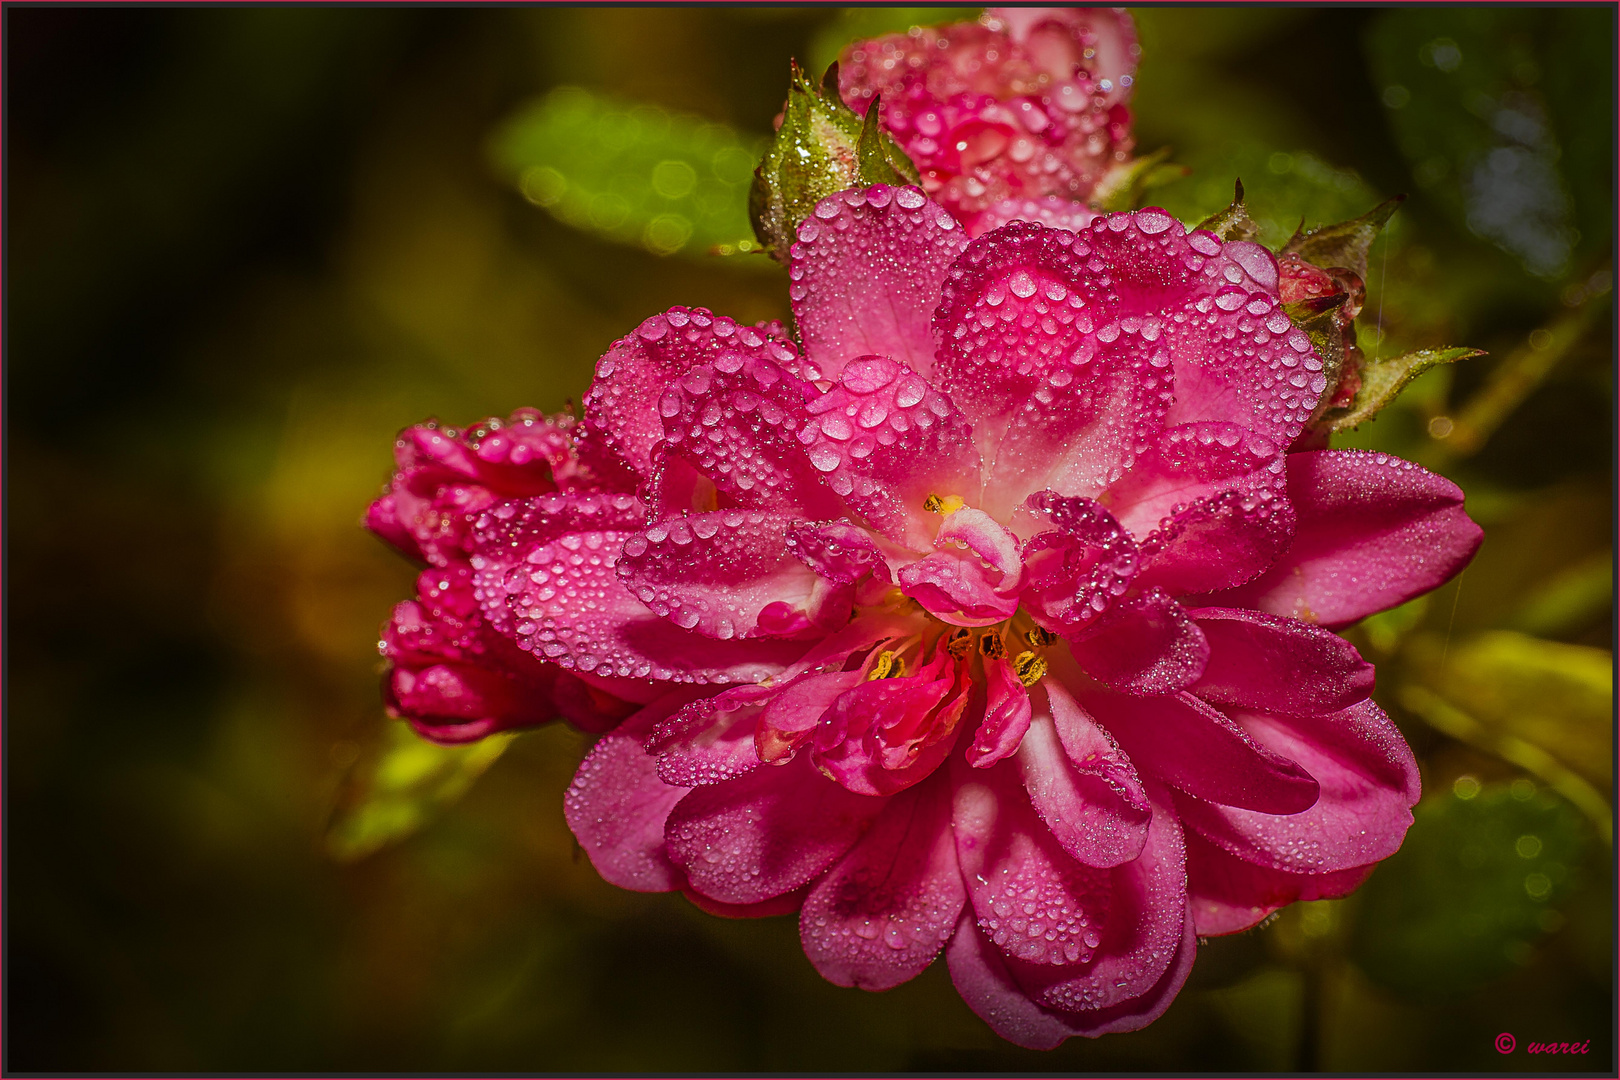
point(1554, 696)
point(402, 787)
point(1234, 222)
point(1383, 379)
point(1479, 881)
point(1123, 186)
point(633, 174)
point(821, 148)
point(1345, 244)
point(1570, 600)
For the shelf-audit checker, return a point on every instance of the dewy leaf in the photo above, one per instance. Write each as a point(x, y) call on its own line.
point(404, 786)
point(1481, 878)
point(821, 148)
point(635, 174)
point(1347, 243)
point(1124, 184)
point(1234, 223)
point(1382, 380)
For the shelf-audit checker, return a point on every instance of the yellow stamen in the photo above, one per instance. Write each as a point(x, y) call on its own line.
point(1029, 668)
point(887, 665)
point(948, 504)
point(1040, 637)
point(960, 641)
point(992, 646)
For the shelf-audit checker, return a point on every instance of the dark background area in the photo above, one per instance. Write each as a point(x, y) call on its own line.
point(245, 245)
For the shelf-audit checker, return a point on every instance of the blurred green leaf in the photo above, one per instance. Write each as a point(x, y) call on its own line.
point(1555, 696)
point(1382, 380)
point(403, 786)
point(635, 174)
point(1570, 599)
point(858, 24)
point(821, 148)
point(1478, 882)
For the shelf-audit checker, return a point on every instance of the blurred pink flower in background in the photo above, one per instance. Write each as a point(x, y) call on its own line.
point(1019, 113)
point(992, 617)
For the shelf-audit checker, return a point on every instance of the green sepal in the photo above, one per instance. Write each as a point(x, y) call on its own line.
point(401, 786)
point(822, 148)
point(1123, 185)
point(1382, 380)
point(1347, 243)
point(1234, 223)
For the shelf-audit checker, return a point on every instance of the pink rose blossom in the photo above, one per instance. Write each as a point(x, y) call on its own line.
point(993, 617)
point(1022, 110)
point(450, 674)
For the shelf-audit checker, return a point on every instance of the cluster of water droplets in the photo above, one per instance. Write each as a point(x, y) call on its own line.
point(867, 904)
point(1093, 563)
point(442, 622)
point(659, 562)
point(985, 120)
point(1045, 912)
point(736, 420)
point(630, 375)
point(878, 249)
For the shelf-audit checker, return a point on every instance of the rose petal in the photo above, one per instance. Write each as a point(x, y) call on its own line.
point(563, 601)
point(1081, 784)
point(729, 574)
point(1145, 645)
point(884, 912)
point(1140, 937)
point(736, 422)
point(1076, 571)
point(1227, 895)
point(617, 805)
point(1268, 664)
point(866, 274)
point(1007, 714)
point(766, 833)
point(1031, 899)
point(621, 407)
point(1374, 531)
point(1189, 745)
point(886, 441)
point(1369, 783)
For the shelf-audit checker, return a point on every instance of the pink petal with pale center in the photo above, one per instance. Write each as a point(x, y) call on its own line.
point(1081, 784)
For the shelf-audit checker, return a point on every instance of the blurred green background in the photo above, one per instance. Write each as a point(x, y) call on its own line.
point(247, 245)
